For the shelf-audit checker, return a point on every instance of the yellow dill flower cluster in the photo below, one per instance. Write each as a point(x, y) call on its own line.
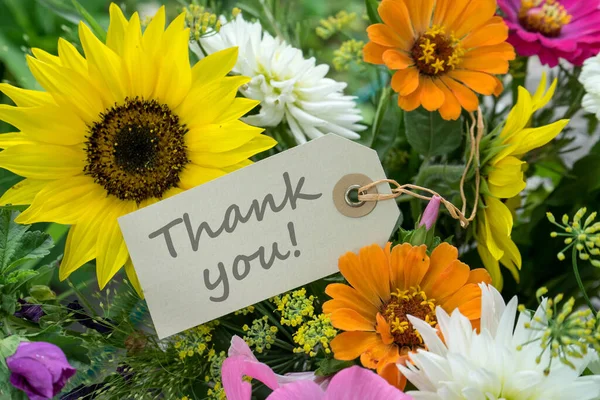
point(216, 392)
point(294, 307)
point(334, 24)
point(213, 376)
point(260, 335)
point(195, 341)
point(564, 333)
point(200, 21)
point(584, 235)
point(315, 335)
point(351, 52)
point(245, 311)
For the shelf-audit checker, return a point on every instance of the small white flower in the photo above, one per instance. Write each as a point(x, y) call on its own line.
point(487, 365)
point(590, 78)
point(289, 87)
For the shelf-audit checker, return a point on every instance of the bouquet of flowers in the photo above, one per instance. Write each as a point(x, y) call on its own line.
point(483, 113)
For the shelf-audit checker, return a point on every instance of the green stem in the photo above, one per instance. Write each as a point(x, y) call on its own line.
point(81, 297)
point(269, 315)
point(580, 283)
point(232, 327)
point(284, 345)
point(71, 291)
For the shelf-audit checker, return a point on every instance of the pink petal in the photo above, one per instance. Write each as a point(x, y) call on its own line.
point(299, 390)
point(356, 383)
point(235, 368)
point(240, 348)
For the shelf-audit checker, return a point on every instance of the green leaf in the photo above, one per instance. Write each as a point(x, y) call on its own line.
point(8, 303)
point(372, 11)
point(19, 276)
point(384, 102)
point(17, 244)
point(72, 346)
point(330, 366)
point(94, 25)
point(431, 135)
point(9, 345)
point(14, 58)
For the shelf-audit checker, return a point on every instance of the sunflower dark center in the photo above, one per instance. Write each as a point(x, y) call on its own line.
point(544, 16)
point(413, 302)
point(137, 150)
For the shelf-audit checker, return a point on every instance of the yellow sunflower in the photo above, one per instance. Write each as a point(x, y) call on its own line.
point(119, 129)
point(504, 179)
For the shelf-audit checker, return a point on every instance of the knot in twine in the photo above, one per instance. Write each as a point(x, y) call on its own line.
point(411, 190)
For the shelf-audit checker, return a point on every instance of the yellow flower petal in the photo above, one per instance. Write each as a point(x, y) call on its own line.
point(498, 217)
point(492, 266)
point(64, 201)
point(533, 138)
point(71, 58)
point(133, 278)
point(505, 179)
point(111, 252)
point(23, 192)
point(195, 175)
point(519, 116)
point(116, 29)
point(26, 98)
point(240, 107)
point(215, 66)
point(43, 161)
point(218, 138)
point(219, 160)
point(485, 238)
point(541, 96)
point(14, 139)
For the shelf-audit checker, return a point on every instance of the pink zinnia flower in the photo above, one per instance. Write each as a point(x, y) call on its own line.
point(353, 383)
point(553, 29)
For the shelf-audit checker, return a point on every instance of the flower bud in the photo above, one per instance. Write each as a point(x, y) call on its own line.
point(431, 213)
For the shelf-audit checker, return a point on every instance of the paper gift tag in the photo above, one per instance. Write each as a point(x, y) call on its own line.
point(255, 233)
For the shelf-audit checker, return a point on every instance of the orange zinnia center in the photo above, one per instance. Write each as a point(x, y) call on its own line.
point(436, 52)
point(544, 16)
point(413, 302)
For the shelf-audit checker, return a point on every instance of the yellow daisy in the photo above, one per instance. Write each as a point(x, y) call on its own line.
point(119, 129)
point(504, 179)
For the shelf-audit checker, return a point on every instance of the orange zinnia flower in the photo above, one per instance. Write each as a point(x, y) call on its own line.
point(441, 51)
point(386, 287)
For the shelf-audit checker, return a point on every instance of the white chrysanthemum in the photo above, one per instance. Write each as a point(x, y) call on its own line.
point(488, 366)
point(590, 78)
point(289, 87)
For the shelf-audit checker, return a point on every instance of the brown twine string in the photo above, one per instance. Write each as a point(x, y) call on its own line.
point(409, 189)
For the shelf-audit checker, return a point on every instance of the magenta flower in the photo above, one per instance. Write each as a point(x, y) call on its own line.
point(353, 383)
point(431, 212)
point(39, 369)
point(553, 29)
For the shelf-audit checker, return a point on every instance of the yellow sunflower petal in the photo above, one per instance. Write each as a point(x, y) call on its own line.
point(71, 58)
point(519, 116)
point(498, 217)
point(66, 129)
point(111, 251)
point(116, 29)
point(23, 192)
point(240, 107)
point(532, 138)
point(81, 242)
point(215, 66)
point(541, 96)
point(46, 57)
point(133, 278)
point(195, 175)
point(14, 139)
point(485, 238)
point(43, 161)
point(235, 167)
point(219, 160)
point(204, 105)
point(26, 98)
point(154, 32)
point(64, 201)
point(218, 138)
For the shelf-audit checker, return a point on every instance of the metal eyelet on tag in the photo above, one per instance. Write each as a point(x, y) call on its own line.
point(341, 196)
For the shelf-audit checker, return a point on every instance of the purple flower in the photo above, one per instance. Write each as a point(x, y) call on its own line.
point(31, 312)
point(431, 213)
point(39, 369)
point(553, 29)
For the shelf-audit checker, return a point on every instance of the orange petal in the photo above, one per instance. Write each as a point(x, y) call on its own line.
point(441, 257)
point(450, 280)
point(465, 96)
point(471, 309)
point(506, 50)
point(479, 275)
point(494, 32)
point(368, 361)
point(399, 253)
point(451, 109)
point(499, 88)
point(493, 63)
point(376, 270)
point(465, 294)
point(383, 328)
point(478, 81)
point(393, 376)
point(405, 81)
point(410, 102)
point(395, 59)
point(373, 53)
point(432, 96)
point(350, 266)
point(416, 265)
point(350, 345)
point(384, 35)
point(476, 14)
point(420, 14)
point(347, 319)
point(447, 11)
point(345, 296)
point(395, 14)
